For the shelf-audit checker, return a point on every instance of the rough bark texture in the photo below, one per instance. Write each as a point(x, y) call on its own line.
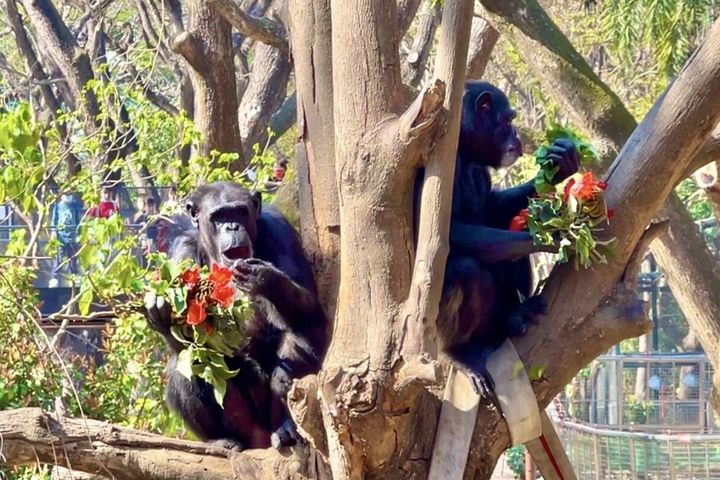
point(99, 448)
point(261, 29)
point(373, 429)
point(315, 156)
point(413, 68)
point(207, 47)
point(264, 94)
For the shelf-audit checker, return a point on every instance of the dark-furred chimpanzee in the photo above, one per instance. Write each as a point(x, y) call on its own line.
point(488, 270)
point(287, 336)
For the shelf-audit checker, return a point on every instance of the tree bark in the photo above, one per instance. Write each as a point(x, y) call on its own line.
point(413, 68)
point(310, 32)
point(264, 94)
point(207, 47)
point(483, 37)
point(31, 435)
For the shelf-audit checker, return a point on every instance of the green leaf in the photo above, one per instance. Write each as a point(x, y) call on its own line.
point(536, 372)
point(219, 389)
point(85, 301)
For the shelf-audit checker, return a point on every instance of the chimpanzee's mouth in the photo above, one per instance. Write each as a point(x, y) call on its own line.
point(236, 253)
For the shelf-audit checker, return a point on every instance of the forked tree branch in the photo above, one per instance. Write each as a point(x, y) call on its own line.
point(261, 29)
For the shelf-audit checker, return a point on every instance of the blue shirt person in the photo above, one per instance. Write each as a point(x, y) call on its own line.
point(66, 216)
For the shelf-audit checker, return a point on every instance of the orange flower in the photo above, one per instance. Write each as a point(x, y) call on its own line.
point(220, 276)
point(223, 294)
point(196, 312)
point(519, 222)
point(583, 189)
point(191, 276)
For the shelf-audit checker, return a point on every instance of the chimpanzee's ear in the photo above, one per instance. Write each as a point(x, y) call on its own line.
point(483, 102)
point(192, 210)
point(256, 198)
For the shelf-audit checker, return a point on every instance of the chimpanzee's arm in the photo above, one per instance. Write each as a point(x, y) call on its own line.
point(491, 245)
point(503, 205)
point(295, 303)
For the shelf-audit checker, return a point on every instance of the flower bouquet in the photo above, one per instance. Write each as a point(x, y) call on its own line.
point(209, 316)
point(572, 216)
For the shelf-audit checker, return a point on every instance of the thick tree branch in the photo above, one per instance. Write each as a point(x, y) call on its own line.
point(421, 308)
point(30, 435)
point(264, 93)
point(483, 37)
point(258, 28)
point(406, 11)
point(207, 47)
point(413, 68)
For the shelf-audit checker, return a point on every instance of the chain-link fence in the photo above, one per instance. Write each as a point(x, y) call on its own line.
point(648, 392)
point(601, 454)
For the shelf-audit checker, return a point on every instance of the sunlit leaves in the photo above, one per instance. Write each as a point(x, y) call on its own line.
point(669, 29)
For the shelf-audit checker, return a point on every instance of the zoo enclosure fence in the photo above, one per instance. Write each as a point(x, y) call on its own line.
point(601, 454)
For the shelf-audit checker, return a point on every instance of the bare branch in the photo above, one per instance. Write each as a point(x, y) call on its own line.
point(258, 28)
point(483, 37)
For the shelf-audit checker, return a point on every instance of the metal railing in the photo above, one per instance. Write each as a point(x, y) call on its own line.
point(601, 454)
point(653, 392)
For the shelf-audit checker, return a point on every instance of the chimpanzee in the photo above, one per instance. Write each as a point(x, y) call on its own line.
point(486, 292)
point(287, 336)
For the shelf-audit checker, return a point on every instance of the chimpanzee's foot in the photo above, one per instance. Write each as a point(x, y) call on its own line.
point(286, 435)
point(526, 314)
point(473, 361)
point(227, 443)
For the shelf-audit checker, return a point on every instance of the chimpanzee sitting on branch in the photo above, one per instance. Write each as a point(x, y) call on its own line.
point(488, 269)
point(287, 336)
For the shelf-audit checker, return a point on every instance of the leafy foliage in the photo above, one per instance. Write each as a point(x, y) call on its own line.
point(669, 29)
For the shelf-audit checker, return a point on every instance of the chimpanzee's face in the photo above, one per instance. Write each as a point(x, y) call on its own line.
point(487, 130)
point(226, 216)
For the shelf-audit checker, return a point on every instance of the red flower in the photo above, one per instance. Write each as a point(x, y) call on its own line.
point(208, 328)
point(220, 276)
point(519, 222)
point(223, 294)
point(610, 213)
point(196, 312)
point(191, 276)
point(583, 189)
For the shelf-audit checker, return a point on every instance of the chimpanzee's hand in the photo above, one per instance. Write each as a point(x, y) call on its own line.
point(157, 312)
point(255, 276)
point(565, 156)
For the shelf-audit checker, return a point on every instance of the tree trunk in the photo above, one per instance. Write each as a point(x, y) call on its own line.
point(207, 47)
point(310, 32)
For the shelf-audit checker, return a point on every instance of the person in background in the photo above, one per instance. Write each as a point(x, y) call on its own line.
point(279, 170)
point(107, 206)
point(148, 225)
point(66, 216)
